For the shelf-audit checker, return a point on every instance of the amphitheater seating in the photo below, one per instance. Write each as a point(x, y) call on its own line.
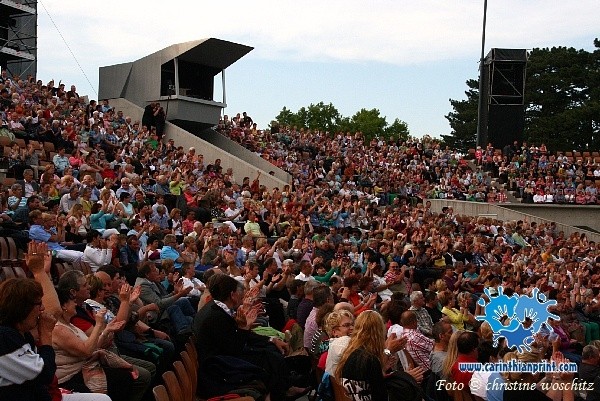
point(5, 141)
point(9, 254)
point(160, 393)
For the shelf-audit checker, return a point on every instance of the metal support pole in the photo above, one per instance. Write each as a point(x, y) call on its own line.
point(223, 85)
point(481, 130)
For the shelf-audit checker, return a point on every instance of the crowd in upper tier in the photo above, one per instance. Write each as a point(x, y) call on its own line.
point(423, 168)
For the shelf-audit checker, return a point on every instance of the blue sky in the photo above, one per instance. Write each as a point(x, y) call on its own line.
point(406, 58)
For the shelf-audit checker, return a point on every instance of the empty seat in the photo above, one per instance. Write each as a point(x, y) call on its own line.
point(49, 147)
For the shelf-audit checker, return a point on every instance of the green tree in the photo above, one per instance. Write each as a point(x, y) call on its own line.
point(463, 120)
point(302, 117)
point(286, 117)
point(323, 116)
point(397, 129)
point(369, 122)
point(560, 107)
point(346, 125)
point(562, 102)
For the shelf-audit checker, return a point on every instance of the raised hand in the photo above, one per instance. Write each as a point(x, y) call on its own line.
point(35, 258)
point(135, 294)
point(125, 292)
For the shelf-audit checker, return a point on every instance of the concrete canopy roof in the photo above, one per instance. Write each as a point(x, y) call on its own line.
point(140, 81)
point(212, 52)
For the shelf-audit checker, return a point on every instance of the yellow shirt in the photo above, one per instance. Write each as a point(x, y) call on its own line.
point(176, 187)
point(457, 319)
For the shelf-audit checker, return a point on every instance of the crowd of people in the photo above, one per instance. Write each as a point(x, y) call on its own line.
point(347, 265)
point(423, 168)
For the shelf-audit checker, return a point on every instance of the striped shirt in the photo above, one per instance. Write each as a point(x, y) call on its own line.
point(419, 347)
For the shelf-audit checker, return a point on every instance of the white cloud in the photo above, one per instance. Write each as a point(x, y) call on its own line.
point(398, 32)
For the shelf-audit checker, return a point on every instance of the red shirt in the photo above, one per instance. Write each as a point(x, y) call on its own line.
point(462, 377)
point(188, 226)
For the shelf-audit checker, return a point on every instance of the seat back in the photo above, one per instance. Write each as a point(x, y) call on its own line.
point(6, 272)
point(160, 393)
point(4, 252)
point(13, 252)
point(173, 386)
point(190, 347)
point(185, 380)
point(192, 368)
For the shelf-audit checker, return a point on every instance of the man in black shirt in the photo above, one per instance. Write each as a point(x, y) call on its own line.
point(431, 306)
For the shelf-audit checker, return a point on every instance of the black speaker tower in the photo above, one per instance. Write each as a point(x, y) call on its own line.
point(503, 116)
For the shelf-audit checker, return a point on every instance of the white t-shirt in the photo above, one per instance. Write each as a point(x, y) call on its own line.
point(194, 282)
point(336, 349)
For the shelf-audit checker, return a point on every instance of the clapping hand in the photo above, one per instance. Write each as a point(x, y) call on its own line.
point(417, 373)
point(395, 343)
point(112, 242)
point(135, 294)
point(114, 325)
point(178, 285)
point(371, 300)
point(180, 290)
point(245, 317)
point(251, 297)
point(46, 323)
point(99, 317)
point(391, 363)
point(560, 359)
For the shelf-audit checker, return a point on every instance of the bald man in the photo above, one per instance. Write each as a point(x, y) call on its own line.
point(418, 346)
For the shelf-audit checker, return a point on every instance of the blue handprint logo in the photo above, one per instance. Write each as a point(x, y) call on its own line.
point(506, 316)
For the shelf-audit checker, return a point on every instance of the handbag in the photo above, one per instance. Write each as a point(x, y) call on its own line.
point(401, 386)
point(232, 370)
point(93, 373)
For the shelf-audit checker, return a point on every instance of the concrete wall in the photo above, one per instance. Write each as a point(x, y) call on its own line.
point(239, 151)
point(567, 214)
point(241, 167)
point(562, 215)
